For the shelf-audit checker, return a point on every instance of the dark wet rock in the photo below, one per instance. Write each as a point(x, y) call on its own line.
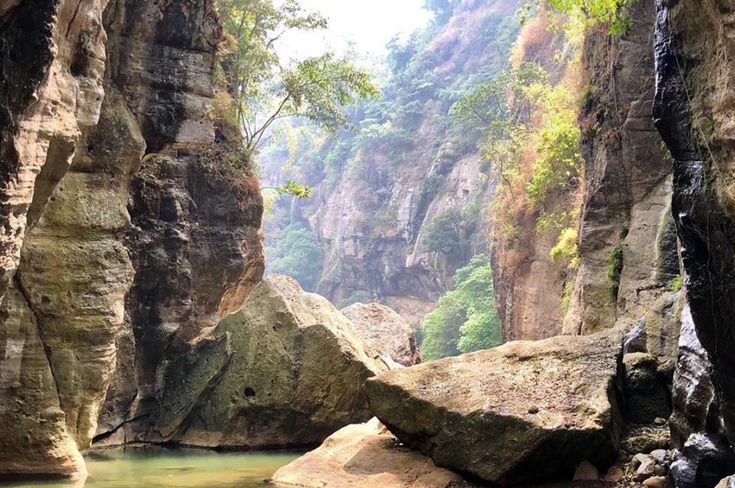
point(646, 396)
point(693, 113)
point(695, 407)
point(702, 462)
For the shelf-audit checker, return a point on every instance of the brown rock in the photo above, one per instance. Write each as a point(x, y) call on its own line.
point(470, 413)
point(388, 331)
point(363, 456)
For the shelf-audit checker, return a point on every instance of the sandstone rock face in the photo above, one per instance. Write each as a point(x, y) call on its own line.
point(627, 197)
point(694, 114)
point(64, 304)
point(388, 331)
point(521, 413)
point(363, 456)
point(287, 370)
point(53, 61)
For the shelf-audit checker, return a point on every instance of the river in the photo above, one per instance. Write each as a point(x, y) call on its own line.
point(172, 468)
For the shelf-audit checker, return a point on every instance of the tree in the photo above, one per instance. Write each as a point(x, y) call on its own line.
point(296, 253)
point(466, 317)
point(264, 89)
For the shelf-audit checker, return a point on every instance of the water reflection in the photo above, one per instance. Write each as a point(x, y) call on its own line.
point(166, 468)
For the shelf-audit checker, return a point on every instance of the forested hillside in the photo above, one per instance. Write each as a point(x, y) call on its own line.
point(399, 199)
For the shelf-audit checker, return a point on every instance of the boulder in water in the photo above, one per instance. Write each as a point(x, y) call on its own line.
point(287, 370)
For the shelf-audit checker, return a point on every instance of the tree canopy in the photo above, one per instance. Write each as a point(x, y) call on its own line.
point(466, 317)
point(264, 88)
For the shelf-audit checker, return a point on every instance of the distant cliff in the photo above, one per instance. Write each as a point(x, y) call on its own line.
point(399, 203)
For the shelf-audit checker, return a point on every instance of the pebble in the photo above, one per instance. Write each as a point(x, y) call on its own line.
point(646, 469)
point(655, 482)
point(659, 421)
point(637, 460)
point(615, 474)
point(659, 455)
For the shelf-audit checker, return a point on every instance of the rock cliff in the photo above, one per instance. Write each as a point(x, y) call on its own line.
point(627, 248)
point(693, 113)
point(107, 256)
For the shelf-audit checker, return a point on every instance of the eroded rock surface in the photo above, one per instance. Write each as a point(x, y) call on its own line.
point(627, 198)
point(287, 370)
point(363, 456)
point(694, 114)
point(388, 331)
point(520, 413)
point(195, 242)
point(56, 339)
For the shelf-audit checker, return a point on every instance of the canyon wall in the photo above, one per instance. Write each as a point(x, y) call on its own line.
point(627, 249)
point(122, 242)
point(694, 114)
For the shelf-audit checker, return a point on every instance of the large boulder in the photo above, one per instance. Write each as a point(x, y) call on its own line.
point(286, 370)
point(521, 413)
point(363, 456)
point(390, 333)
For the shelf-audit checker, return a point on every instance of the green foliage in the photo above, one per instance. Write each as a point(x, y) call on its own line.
point(675, 284)
point(444, 233)
point(449, 232)
point(296, 253)
point(263, 90)
point(466, 318)
point(294, 189)
point(614, 271)
point(442, 9)
point(597, 12)
point(566, 252)
point(558, 160)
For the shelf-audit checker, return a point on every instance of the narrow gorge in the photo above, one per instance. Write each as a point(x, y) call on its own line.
point(497, 251)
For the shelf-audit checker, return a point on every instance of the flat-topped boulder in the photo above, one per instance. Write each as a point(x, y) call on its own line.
point(524, 412)
point(287, 370)
point(363, 456)
point(390, 333)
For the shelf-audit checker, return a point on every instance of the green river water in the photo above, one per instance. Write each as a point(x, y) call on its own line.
point(180, 468)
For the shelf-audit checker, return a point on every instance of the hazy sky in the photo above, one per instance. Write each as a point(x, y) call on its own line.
point(370, 24)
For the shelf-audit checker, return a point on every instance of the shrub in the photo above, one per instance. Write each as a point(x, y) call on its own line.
point(566, 251)
point(466, 318)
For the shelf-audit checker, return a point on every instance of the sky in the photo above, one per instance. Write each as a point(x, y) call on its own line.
point(369, 24)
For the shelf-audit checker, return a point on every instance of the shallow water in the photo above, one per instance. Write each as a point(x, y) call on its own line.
point(166, 468)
